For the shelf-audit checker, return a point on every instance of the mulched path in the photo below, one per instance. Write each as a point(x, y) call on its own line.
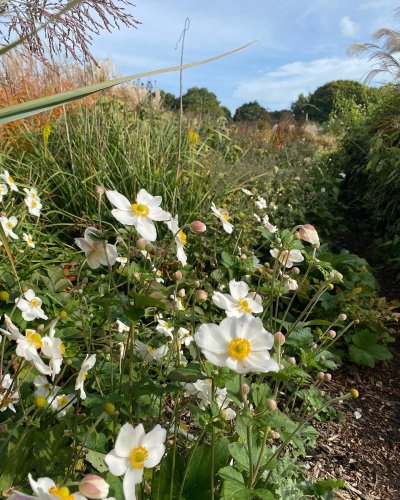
point(364, 449)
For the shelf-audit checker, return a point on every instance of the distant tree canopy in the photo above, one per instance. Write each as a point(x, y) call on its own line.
point(250, 112)
point(201, 100)
point(321, 103)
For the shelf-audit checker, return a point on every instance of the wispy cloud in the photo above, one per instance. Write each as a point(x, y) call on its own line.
point(348, 27)
point(278, 88)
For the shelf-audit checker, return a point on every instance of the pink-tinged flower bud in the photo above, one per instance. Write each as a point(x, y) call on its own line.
point(178, 275)
point(327, 377)
point(271, 405)
point(94, 487)
point(320, 376)
point(198, 227)
point(100, 190)
point(295, 270)
point(156, 295)
point(292, 360)
point(201, 295)
point(196, 283)
point(141, 244)
point(245, 389)
point(279, 338)
point(331, 334)
point(308, 233)
point(342, 317)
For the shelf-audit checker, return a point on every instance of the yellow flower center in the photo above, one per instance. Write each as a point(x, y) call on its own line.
point(184, 427)
point(244, 306)
point(158, 272)
point(62, 348)
point(33, 204)
point(29, 240)
point(140, 209)
point(182, 237)
point(9, 225)
point(239, 348)
point(63, 401)
point(62, 493)
point(34, 338)
point(10, 179)
point(225, 215)
point(34, 303)
point(138, 456)
point(84, 375)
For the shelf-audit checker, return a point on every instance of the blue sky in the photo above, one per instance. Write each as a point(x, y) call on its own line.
point(301, 45)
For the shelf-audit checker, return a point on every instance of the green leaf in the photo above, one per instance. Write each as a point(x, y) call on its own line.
point(29, 108)
point(143, 301)
point(300, 338)
point(190, 373)
point(227, 260)
point(96, 459)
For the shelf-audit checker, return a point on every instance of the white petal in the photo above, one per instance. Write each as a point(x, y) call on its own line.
point(238, 289)
point(146, 228)
point(155, 455)
point(125, 217)
point(117, 465)
point(155, 437)
point(209, 337)
point(157, 214)
point(223, 300)
point(132, 477)
point(125, 441)
point(227, 226)
point(145, 198)
point(93, 260)
point(83, 244)
point(118, 200)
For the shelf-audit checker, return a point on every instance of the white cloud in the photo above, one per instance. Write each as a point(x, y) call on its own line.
point(348, 27)
point(279, 88)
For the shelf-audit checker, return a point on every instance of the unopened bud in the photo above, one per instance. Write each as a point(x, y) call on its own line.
point(156, 295)
point(94, 487)
point(181, 293)
point(354, 393)
point(198, 227)
point(271, 405)
point(295, 270)
point(314, 345)
point(342, 317)
point(279, 338)
point(141, 243)
point(245, 389)
point(178, 275)
point(201, 295)
point(100, 190)
point(275, 435)
point(136, 275)
point(40, 328)
point(109, 408)
point(331, 334)
point(320, 376)
point(330, 286)
point(338, 276)
point(148, 247)
point(308, 233)
point(327, 377)
point(196, 283)
point(322, 393)
point(322, 358)
point(292, 360)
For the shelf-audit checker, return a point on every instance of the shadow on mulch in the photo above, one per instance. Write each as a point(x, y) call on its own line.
point(364, 449)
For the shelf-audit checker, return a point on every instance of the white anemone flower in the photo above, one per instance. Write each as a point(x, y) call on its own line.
point(122, 327)
point(184, 337)
point(203, 390)
point(29, 240)
point(268, 226)
point(97, 252)
point(31, 306)
point(8, 224)
point(180, 239)
point(3, 191)
point(87, 364)
point(7, 397)
point(134, 451)
point(123, 261)
point(287, 257)
point(46, 489)
point(158, 273)
point(43, 387)
point(31, 193)
point(290, 283)
point(141, 214)
point(247, 192)
point(240, 302)
point(9, 180)
point(177, 301)
point(223, 216)
point(34, 206)
point(61, 404)
point(149, 353)
point(240, 344)
point(261, 203)
point(165, 327)
point(27, 345)
point(54, 349)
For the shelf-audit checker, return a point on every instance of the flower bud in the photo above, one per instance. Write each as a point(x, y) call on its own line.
point(331, 334)
point(279, 338)
point(314, 345)
point(4, 295)
point(198, 227)
point(320, 376)
point(156, 295)
point(295, 270)
point(275, 435)
point(322, 358)
point(271, 405)
point(354, 393)
point(292, 360)
point(100, 190)
point(94, 487)
point(342, 317)
point(196, 283)
point(308, 233)
point(63, 314)
point(338, 276)
point(178, 275)
point(148, 247)
point(40, 328)
point(201, 295)
point(109, 408)
point(327, 377)
point(181, 293)
point(141, 243)
point(245, 389)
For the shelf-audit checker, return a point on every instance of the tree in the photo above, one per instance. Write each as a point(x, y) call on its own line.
point(170, 102)
point(299, 107)
point(202, 101)
point(250, 112)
